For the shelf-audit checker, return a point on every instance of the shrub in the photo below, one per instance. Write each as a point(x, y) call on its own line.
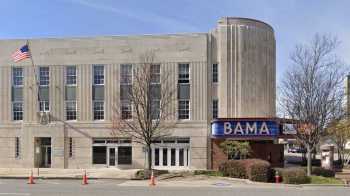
point(319, 171)
point(253, 169)
point(293, 176)
point(257, 170)
point(233, 169)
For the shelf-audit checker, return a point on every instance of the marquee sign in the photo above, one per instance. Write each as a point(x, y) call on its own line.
point(245, 128)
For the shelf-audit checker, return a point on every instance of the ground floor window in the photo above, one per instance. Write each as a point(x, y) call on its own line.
point(171, 153)
point(112, 152)
point(124, 155)
point(99, 155)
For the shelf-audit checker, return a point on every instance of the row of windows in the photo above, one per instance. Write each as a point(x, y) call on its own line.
point(126, 74)
point(126, 85)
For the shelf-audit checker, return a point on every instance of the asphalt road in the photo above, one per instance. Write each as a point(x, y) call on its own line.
point(113, 187)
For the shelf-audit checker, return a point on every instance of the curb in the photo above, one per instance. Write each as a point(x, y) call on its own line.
point(61, 178)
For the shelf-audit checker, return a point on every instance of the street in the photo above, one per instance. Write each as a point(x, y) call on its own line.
point(115, 187)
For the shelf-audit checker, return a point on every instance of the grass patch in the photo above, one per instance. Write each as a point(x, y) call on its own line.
point(324, 180)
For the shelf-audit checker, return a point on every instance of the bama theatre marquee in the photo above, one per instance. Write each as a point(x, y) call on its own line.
point(244, 128)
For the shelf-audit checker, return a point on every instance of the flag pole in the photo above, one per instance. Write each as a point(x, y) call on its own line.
point(36, 84)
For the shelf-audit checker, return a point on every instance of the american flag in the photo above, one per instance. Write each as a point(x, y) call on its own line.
point(21, 53)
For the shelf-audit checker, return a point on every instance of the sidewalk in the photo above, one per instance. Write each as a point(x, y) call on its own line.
point(53, 173)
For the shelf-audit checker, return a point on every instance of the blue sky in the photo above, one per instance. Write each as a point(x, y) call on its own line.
point(294, 21)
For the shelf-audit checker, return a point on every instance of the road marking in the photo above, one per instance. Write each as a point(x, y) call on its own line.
point(14, 193)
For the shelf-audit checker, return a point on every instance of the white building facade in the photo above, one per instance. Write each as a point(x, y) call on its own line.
point(226, 73)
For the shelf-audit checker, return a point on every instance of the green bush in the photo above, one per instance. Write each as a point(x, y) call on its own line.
point(233, 169)
point(257, 170)
point(319, 171)
point(252, 169)
point(293, 175)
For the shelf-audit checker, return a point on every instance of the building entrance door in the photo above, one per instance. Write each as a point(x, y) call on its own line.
point(43, 152)
point(112, 156)
point(45, 156)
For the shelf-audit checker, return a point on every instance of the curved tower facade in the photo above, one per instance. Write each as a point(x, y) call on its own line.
point(246, 52)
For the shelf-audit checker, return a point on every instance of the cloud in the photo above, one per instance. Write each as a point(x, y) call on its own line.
point(140, 15)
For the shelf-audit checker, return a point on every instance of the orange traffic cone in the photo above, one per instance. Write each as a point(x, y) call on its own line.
point(31, 178)
point(152, 180)
point(85, 180)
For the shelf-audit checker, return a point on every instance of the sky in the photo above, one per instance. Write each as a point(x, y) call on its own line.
point(294, 21)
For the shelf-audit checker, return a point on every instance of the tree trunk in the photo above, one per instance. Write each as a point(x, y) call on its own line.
point(149, 157)
point(309, 160)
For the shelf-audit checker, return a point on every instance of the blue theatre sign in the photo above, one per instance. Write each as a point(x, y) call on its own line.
point(241, 128)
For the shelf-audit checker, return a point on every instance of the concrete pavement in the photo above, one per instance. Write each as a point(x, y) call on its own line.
point(119, 187)
point(103, 173)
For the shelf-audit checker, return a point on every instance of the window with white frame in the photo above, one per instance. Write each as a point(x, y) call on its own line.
point(215, 108)
point(184, 109)
point(17, 76)
point(155, 74)
point(17, 108)
point(98, 110)
point(155, 109)
point(17, 93)
point(99, 76)
point(44, 76)
point(215, 73)
point(126, 109)
point(71, 110)
point(184, 73)
point(126, 74)
point(184, 91)
point(44, 106)
point(17, 147)
point(71, 75)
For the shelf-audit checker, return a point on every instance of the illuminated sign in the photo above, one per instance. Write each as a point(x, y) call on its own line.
point(244, 128)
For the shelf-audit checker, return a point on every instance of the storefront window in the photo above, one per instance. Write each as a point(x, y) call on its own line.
point(99, 155)
point(124, 155)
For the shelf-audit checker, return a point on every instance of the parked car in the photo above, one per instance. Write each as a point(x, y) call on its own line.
point(296, 150)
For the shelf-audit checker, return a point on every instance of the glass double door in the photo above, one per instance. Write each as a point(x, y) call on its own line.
point(171, 157)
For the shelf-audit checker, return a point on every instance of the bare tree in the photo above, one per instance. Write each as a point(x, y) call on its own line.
point(144, 111)
point(312, 91)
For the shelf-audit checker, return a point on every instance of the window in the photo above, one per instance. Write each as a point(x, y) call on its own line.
point(172, 156)
point(155, 109)
point(98, 110)
point(215, 108)
point(71, 110)
point(125, 90)
point(17, 109)
point(184, 74)
point(184, 109)
point(17, 147)
point(156, 157)
point(215, 73)
point(99, 155)
point(99, 75)
point(124, 155)
point(17, 76)
point(126, 110)
point(44, 76)
point(44, 106)
point(70, 147)
point(125, 74)
point(71, 75)
point(155, 74)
